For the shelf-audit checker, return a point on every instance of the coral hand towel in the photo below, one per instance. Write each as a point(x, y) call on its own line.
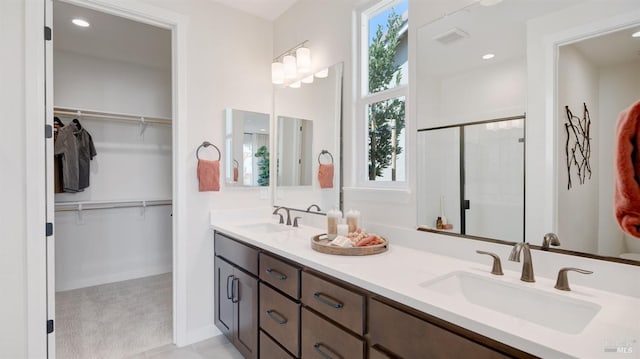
point(325, 175)
point(235, 174)
point(627, 176)
point(208, 175)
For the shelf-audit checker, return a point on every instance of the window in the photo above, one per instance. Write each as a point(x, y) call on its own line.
point(383, 89)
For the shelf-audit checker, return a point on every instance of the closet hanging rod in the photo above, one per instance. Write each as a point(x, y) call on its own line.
point(90, 114)
point(90, 205)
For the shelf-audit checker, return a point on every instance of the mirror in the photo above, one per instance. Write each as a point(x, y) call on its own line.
point(597, 78)
point(482, 63)
point(308, 135)
point(246, 148)
point(295, 147)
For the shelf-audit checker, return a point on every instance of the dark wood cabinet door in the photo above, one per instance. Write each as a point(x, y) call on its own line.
point(410, 337)
point(246, 314)
point(323, 340)
point(224, 304)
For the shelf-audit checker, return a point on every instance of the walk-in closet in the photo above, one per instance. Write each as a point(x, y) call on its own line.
point(112, 168)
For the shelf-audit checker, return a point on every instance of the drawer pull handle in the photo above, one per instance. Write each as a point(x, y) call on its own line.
point(328, 300)
point(277, 317)
point(275, 274)
point(318, 347)
point(229, 292)
point(235, 290)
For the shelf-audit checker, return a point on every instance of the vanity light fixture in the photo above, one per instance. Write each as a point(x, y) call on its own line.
point(307, 80)
point(303, 60)
point(286, 66)
point(488, 56)
point(636, 34)
point(80, 22)
point(295, 85)
point(322, 73)
point(289, 62)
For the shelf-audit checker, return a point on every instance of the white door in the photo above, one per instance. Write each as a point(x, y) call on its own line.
point(51, 288)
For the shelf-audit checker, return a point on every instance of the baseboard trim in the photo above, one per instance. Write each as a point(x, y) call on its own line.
point(200, 334)
point(111, 278)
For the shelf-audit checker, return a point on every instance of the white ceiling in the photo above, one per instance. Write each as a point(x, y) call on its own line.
point(266, 9)
point(499, 29)
point(110, 37)
point(611, 49)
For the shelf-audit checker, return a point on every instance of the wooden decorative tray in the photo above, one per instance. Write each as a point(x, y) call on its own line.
point(321, 244)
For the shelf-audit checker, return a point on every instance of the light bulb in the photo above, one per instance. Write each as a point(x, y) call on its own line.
point(303, 59)
point(277, 73)
point(289, 62)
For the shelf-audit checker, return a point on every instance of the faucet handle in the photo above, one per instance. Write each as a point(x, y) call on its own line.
point(550, 239)
point(295, 221)
point(497, 265)
point(562, 283)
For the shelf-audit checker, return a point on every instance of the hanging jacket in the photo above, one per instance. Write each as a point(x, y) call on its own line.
point(66, 146)
point(86, 152)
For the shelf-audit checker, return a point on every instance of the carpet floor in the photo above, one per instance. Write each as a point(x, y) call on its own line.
point(114, 320)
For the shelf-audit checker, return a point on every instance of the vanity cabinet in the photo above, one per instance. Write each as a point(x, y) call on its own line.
point(303, 313)
point(394, 333)
point(236, 294)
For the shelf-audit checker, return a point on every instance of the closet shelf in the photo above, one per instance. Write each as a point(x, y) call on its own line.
point(90, 205)
point(99, 115)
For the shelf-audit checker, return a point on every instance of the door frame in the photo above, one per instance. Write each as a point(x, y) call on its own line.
point(36, 203)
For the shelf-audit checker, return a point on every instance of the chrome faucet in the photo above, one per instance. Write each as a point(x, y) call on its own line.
point(550, 239)
point(527, 265)
point(313, 205)
point(288, 215)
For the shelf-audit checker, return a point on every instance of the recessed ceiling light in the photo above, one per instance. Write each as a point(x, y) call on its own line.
point(636, 34)
point(489, 2)
point(80, 22)
point(488, 56)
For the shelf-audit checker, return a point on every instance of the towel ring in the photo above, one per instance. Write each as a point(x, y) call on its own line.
point(323, 152)
point(235, 164)
point(207, 144)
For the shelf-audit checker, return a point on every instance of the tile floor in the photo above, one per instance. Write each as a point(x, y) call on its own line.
point(215, 348)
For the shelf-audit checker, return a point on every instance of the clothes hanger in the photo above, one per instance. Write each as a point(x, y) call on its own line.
point(77, 123)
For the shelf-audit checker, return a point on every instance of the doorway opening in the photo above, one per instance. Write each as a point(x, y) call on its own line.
point(112, 292)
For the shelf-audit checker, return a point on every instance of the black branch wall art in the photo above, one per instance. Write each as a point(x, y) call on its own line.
point(578, 145)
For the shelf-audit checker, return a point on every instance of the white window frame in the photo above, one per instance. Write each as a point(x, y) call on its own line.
point(364, 98)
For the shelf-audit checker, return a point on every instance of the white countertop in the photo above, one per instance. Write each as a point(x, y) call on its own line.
point(398, 273)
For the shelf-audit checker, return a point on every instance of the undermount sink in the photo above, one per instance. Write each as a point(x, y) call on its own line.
point(558, 312)
point(266, 227)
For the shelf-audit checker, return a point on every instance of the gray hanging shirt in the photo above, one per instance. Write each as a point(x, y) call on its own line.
point(86, 152)
point(66, 146)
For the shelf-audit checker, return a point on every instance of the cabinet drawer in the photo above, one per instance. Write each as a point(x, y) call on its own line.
point(323, 340)
point(280, 317)
point(280, 274)
point(270, 350)
point(374, 353)
point(336, 302)
point(410, 337)
point(237, 253)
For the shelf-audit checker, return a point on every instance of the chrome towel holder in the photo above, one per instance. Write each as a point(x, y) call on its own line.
point(325, 152)
point(207, 144)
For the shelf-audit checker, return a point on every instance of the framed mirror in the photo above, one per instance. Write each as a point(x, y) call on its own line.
point(308, 142)
point(518, 56)
point(246, 148)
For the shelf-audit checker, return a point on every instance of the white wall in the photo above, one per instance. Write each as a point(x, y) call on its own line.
point(619, 87)
point(13, 265)
point(228, 66)
point(577, 207)
point(86, 82)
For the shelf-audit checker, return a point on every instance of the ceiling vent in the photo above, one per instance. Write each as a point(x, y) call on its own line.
point(451, 36)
